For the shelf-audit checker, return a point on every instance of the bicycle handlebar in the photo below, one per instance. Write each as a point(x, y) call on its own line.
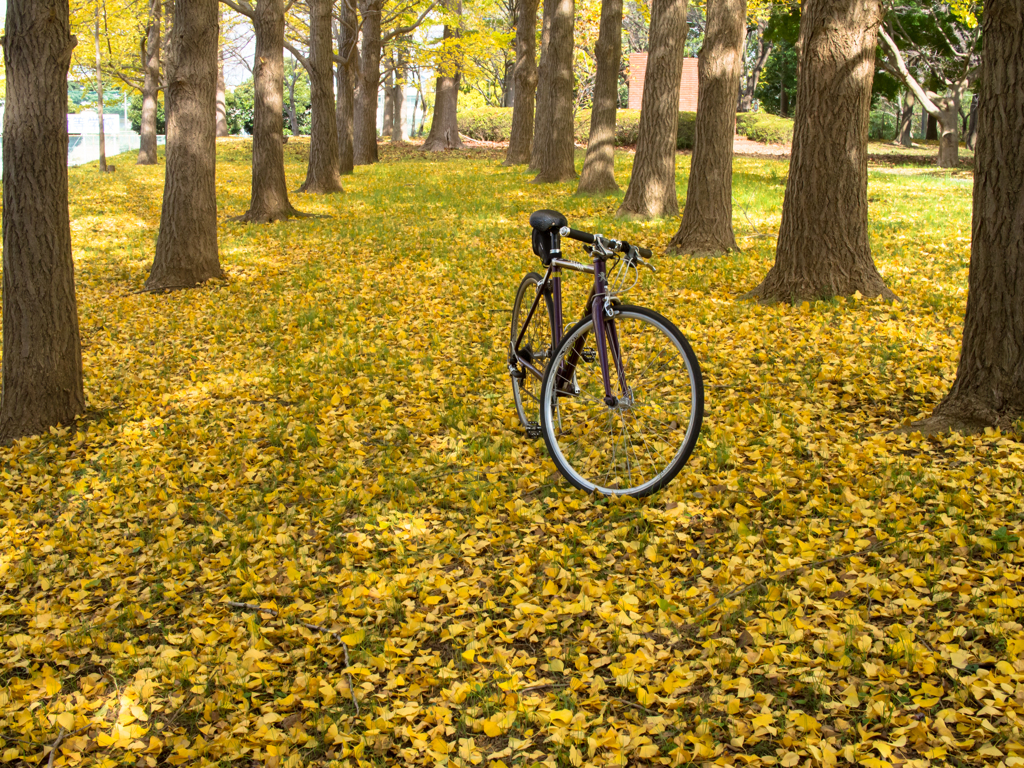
point(615, 245)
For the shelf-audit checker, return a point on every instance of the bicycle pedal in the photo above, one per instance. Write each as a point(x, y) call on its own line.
point(534, 431)
point(588, 355)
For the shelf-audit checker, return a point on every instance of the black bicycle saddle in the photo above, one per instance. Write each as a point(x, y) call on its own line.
point(545, 220)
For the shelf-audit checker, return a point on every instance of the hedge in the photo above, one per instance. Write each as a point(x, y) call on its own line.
point(495, 124)
point(765, 128)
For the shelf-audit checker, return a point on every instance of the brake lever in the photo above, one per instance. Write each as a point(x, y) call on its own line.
point(633, 258)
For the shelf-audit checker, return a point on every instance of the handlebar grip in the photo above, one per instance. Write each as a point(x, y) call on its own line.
point(645, 253)
point(575, 234)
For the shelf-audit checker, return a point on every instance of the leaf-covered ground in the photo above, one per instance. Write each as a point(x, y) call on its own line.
point(305, 491)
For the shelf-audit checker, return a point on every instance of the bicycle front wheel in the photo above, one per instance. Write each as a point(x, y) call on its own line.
point(635, 443)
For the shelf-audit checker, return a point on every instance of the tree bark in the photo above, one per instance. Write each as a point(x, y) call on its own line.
point(706, 228)
point(388, 116)
point(222, 102)
point(554, 150)
point(99, 95)
point(989, 385)
point(269, 197)
point(542, 113)
point(904, 133)
point(186, 246)
point(293, 118)
point(652, 185)
point(598, 173)
point(971, 135)
point(398, 96)
point(42, 356)
point(764, 49)
point(322, 169)
point(365, 126)
point(346, 82)
point(150, 86)
point(520, 140)
point(444, 127)
point(823, 248)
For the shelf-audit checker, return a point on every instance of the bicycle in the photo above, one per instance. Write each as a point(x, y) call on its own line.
point(620, 402)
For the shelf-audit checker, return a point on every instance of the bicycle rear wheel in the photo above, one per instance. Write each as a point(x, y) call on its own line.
point(536, 347)
point(636, 446)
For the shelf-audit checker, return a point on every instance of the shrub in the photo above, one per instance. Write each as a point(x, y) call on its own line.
point(765, 128)
point(486, 123)
point(495, 124)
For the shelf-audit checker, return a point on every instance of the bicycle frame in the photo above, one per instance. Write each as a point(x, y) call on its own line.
point(597, 303)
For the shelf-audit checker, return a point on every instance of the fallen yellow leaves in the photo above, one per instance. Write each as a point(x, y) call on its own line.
point(303, 492)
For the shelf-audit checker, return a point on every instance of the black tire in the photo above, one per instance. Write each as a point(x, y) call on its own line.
point(536, 345)
point(637, 446)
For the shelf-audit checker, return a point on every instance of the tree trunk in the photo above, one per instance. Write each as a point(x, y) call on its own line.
point(444, 128)
point(99, 95)
point(823, 248)
point(398, 96)
point(904, 134)
point(222, 102)
point(150, 86)
point(989, 385)
point(365, 128)
point(971, 135)
point(269, 198)
point(706, 228)
point(346, 82)
point(293, 118)
point(932, 129)
point(388, 116)
point(322, 170)
point(598, 173)
point(949, 141)
point(508, 85)
point(764, 50)
point(543, 113)
point(554, 155)
point(42, 356)
point(186, 246)
point(520, 140)
point(652, 185)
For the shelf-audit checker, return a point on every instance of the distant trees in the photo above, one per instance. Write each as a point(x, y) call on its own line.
point(930, 46)
point(42, 357)
point(444, 128)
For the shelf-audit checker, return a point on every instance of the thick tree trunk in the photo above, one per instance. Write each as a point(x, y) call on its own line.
point(598, 173)
point(444, 127)
point(554, 156)
point(932, 128)
point(652, 185)
point(989, 385)
point(949, 141)
point(904, 135)
point(99, 95)
point(42, 356)
point(186, 246)
point(150, 86)
point(764, 49)
point(365, 127)
point(706, 228)
point(346, 83)
point(322, 169)
point(823, 248)
point(269, 199)
point(520, 140)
